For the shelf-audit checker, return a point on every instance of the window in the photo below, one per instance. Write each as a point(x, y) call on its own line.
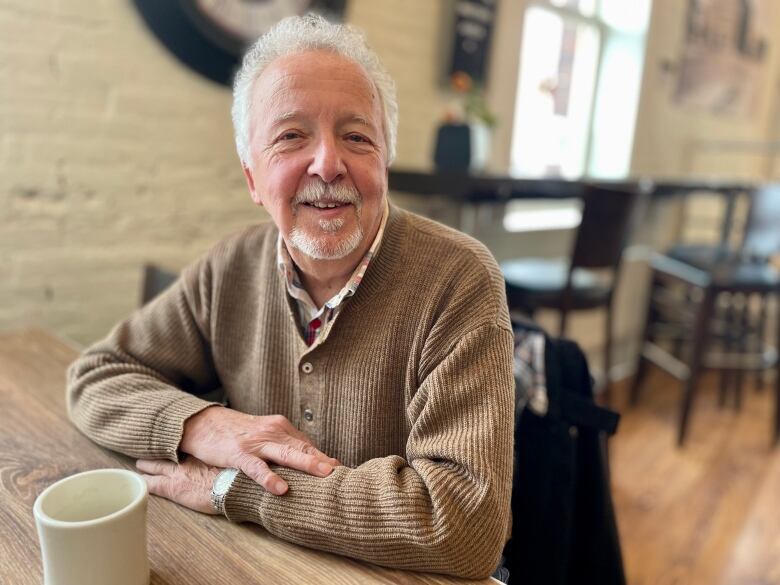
point(578, 87)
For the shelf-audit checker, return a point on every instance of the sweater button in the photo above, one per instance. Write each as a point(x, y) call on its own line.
point(308, 415)
point(307, 368)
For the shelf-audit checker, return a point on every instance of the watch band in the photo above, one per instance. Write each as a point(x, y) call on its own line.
point(220, 487)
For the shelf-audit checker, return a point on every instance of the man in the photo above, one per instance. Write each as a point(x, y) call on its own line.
point(365, 352)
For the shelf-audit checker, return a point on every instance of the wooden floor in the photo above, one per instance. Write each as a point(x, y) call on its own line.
point(706, 514)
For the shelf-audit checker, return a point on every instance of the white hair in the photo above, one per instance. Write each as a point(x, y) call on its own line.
point(297, 34)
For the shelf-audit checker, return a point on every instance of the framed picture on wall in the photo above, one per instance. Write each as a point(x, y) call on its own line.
point(723, 65)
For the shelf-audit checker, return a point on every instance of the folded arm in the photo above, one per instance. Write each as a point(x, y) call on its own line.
point(443, 508)
point(136, 392)
point(132, 391)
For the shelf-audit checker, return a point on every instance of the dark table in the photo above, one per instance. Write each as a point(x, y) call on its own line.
point(474, 189)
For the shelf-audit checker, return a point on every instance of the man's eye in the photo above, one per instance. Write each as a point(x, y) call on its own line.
point(357, 138)
point(289, 136)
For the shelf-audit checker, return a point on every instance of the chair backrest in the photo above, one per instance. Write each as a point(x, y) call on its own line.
point(762, 231)
point(605, 225)
point(155, 280)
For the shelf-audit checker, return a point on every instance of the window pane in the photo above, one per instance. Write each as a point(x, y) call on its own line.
point(617, 101)
point(555, 93)
point(630, 17)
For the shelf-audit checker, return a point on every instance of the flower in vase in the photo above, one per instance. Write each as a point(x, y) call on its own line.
point(474, 106)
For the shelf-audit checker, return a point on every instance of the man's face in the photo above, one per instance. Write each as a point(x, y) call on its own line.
point(318, 153)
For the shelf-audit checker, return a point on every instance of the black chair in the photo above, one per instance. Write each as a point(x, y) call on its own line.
point(760, 241)
point(154, 281)
point(707, 340)
point(702, 310)
point(585, 281)
point(761, 234)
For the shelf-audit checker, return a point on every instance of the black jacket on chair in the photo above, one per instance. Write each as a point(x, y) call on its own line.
point(564, 529)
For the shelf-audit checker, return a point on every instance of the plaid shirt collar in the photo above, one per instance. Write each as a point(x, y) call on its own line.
point(307, 310)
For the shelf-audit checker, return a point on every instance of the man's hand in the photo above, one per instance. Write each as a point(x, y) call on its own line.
point(228, 438)
point(187, 483)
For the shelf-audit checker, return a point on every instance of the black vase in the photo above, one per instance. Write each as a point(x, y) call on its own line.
point(453, 147)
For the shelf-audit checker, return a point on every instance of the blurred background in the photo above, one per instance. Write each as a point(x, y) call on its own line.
point(113, 152)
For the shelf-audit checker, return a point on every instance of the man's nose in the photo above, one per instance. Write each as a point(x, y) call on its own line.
point(327, 162)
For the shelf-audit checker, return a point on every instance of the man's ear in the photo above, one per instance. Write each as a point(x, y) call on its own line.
point(250, 182)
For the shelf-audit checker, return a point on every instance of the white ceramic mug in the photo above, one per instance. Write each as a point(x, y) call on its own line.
point(92, 528)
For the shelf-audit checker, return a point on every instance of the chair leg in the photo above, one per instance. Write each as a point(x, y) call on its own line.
point(727, 375)
point(678, 343)
point(760, 331)
point(641, 366)
point(562, 323)
point(700, 338)
point(743, 332)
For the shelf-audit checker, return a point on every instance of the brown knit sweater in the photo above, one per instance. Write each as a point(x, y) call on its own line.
point(412, 390)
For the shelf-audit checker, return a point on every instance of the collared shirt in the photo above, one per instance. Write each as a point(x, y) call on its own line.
point(311, 319)
point(530, 375)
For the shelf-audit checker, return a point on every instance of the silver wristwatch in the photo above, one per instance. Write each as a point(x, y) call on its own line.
point(220, 487)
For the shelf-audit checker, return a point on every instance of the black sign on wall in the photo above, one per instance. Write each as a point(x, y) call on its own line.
point(472, 33)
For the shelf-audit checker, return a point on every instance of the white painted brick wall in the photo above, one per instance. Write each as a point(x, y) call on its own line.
point(113, 154)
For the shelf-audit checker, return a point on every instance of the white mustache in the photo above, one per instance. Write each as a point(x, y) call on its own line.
point(314, 192)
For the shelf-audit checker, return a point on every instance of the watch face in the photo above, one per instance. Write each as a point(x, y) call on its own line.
point(223, 481)
point(210, 36)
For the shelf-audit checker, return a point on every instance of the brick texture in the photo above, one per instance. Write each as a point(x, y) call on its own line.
point(113, 154)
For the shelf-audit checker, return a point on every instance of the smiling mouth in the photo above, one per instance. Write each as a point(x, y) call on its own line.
point(325, 204)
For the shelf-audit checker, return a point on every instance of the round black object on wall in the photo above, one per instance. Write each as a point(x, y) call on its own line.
point(171, 25)
point(210, 36)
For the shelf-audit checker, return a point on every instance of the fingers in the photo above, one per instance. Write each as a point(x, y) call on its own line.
point(156, 485)
point(302, 442)
point(309, 448)
point(156, 466)
point(251, 443)
point(295, 458)
point(189, 495)
point(258, 470)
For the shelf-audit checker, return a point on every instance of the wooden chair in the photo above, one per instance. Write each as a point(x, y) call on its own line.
point(588, 278)
point(155, 280)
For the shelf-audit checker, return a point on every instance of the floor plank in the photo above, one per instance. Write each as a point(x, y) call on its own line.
point(704, 514)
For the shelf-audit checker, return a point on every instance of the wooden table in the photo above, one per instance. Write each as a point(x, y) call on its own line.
point(38, 446)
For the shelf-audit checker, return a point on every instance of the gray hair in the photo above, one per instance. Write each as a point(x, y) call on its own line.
point(297, 34)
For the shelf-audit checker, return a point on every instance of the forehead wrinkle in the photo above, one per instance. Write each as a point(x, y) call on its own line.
point(285, 73)
point(358, 119)
point(349, 117)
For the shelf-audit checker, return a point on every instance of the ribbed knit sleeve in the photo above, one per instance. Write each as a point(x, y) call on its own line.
point(411, 389)
point(443, 508)
point(127, 392)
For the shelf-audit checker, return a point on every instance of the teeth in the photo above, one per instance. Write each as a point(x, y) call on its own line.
point(324, 205)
